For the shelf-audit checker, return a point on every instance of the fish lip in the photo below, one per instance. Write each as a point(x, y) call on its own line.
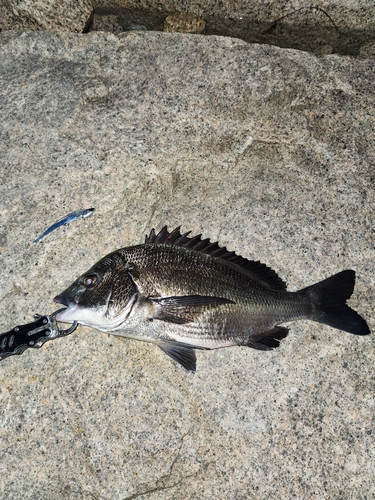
point(68, 314)
point(59, 319)
point(65, 301)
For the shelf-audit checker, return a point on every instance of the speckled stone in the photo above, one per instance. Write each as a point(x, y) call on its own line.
point(105, 23)
point(353, 13)
point(327, 27)
point(270, 151)
point(183, 22)
point(57, 15)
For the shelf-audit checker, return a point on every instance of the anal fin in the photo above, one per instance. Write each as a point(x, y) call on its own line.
point(270, 340)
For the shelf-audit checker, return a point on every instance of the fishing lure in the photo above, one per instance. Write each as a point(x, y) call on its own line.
point(80, 214)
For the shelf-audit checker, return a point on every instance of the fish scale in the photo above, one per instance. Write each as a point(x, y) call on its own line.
point(184, 293)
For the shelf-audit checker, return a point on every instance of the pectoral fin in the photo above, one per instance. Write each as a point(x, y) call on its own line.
point(185, 309)
point(181, 353)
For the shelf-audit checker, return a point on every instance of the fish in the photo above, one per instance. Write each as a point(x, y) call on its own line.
point(183, 293)
point(79, 214)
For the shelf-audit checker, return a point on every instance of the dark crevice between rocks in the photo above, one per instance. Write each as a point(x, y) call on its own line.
point(311, 29)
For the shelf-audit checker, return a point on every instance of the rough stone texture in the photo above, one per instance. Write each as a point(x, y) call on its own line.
point(105, 23)
point(352, 13)
point(329, 27)
point(344, 27)
point(59, 15)
point(270, 151)
point(368, 49)
point(184, 23)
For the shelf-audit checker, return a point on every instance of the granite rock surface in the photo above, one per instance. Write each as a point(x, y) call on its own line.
point(345, 27)
point(271, 152)
point(354, 13)
point(327, 27)
point(39, 15)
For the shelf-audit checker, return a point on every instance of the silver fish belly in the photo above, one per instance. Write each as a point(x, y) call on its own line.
point(185, 293)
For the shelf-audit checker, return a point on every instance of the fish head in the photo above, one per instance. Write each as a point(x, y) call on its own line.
point(102, 297)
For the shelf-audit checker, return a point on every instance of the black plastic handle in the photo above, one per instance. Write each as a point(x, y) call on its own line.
point(33, 335)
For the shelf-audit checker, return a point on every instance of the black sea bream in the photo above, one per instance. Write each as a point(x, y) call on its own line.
point(183, 292)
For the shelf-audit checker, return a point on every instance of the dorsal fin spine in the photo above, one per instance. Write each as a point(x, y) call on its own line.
point(260, 271)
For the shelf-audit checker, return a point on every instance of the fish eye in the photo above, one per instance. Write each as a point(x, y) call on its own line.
point(90, 280)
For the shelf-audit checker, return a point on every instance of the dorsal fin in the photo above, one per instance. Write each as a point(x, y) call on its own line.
point(265, 274)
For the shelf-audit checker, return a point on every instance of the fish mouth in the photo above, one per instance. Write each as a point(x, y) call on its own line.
point(76, 313)
point(67, 315)
point(63, 315)
point(62, 299)
point(95, 317)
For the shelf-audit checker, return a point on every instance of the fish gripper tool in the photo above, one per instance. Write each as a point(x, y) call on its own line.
point(34, 335)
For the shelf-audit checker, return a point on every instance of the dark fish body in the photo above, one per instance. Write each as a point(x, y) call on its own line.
point(184, 293)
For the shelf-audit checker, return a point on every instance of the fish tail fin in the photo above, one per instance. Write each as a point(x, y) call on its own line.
point(329, 299)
